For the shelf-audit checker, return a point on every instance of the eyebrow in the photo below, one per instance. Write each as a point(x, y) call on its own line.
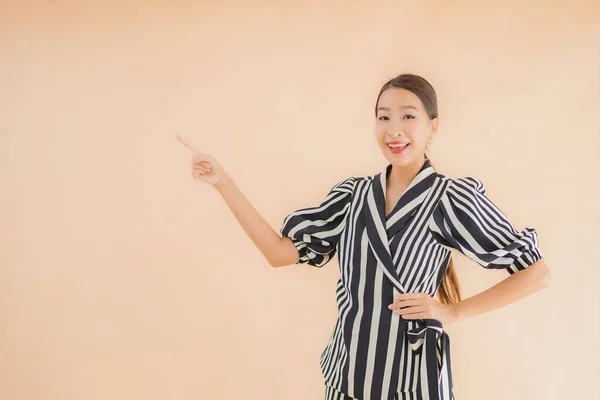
point(401, 107)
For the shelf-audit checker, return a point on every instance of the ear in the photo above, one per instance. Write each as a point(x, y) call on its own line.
point(434, 125)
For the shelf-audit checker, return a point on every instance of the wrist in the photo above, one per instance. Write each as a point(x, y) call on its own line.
point(223, 182)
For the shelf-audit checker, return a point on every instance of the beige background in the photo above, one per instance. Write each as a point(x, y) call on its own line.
point(121, 277)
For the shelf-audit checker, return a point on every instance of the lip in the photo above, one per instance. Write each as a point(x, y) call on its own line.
point(397, 151)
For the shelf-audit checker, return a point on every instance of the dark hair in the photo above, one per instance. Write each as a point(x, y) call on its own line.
point(449, 291)
point(418, 86)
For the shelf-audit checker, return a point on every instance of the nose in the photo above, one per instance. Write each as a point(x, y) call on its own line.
point(395, 133)
point(395, 128)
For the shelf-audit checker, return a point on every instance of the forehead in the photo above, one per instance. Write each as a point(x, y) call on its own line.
point(396, 97)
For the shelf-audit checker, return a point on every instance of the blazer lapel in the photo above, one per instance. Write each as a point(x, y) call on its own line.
point(376, 230)
point(381, 228)
point(411, 200)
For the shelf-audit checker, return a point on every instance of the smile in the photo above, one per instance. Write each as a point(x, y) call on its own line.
point(398, 148)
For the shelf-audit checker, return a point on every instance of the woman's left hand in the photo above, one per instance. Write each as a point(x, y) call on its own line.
point(423, 306)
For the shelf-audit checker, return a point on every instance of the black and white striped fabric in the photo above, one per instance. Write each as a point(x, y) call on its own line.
point(373, 354)
point(332, 393)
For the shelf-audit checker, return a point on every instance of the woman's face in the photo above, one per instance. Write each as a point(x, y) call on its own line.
point(402, 120)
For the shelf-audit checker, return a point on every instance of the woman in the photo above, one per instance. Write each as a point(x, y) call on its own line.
point(393, 232)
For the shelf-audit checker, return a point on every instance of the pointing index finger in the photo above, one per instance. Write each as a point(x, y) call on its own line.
point(183, 142)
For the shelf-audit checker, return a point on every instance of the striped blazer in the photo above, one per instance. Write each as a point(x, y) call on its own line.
point(371, 353)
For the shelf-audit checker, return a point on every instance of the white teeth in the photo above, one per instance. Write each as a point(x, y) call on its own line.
point(398, 146)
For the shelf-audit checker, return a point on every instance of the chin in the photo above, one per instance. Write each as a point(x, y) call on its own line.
point(404, 162)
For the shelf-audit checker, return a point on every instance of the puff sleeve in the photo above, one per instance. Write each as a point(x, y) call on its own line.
point(315, 231)
point(467, 220)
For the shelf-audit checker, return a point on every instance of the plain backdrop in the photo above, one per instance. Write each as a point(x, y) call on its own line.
point(122, 277)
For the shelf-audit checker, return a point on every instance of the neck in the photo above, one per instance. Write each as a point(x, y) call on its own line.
point(402, 176)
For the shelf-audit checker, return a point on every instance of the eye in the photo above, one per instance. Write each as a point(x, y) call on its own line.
point(408, 115)
point(383, 116)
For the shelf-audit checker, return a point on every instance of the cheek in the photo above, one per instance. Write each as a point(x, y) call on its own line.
point(379, 133)
point(417, 135)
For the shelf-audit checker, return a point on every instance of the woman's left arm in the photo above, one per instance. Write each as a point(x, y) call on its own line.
point(466, 220)
point(518, 285)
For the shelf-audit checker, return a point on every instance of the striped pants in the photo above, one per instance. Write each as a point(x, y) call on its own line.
point(332, 393)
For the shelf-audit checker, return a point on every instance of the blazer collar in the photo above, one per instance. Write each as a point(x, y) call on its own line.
point(381, 228)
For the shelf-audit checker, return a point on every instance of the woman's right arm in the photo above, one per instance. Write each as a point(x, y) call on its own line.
point(277, 250)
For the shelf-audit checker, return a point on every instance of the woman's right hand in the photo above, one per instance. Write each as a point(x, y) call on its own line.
point(204, 166)
point(276, 250)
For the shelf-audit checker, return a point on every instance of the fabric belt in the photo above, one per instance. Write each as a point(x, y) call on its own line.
point(435, 372)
